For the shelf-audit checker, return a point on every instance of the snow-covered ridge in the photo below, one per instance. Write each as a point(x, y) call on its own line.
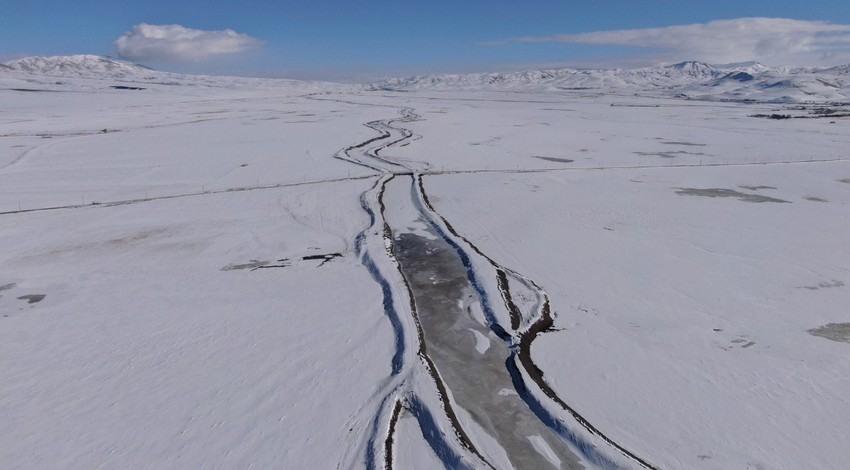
point(77, 65)
point(746, 81)
point(87, 70)
point(696, 80)
point(681, 73)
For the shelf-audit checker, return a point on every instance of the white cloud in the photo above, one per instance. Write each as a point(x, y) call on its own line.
point(490, 43)
point(778, 41)
point(173, 42)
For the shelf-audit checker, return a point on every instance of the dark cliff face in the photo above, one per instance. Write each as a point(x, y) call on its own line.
point(740, 77)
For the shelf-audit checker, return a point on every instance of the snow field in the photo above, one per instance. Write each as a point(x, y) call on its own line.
point(156, 143)
point(686, 248)
point(156, 347)
point(682, 320)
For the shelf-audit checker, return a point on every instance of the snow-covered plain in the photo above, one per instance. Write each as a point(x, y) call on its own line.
point(158, 310)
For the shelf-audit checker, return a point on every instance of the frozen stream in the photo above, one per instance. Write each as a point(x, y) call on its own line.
point(469, 359)
point(463, 366)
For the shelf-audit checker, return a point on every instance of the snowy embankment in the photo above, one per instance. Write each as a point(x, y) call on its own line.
point(157, 345)
point(684, 295)
point(185, 331)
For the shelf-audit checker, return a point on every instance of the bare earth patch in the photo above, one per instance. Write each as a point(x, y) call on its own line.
point(724, 192)
point(690, 144)
point(833, 331)
point(755, 187)
point(32, 298)
point(253, 264)
point(825, 285)
point(554, 159)
point(668, 154)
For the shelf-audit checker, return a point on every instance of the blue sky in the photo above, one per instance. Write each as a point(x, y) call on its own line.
point(371, 39)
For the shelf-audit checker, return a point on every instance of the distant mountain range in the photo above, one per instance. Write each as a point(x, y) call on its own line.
point(94, 68)
point(77, 66)
point(747, 81)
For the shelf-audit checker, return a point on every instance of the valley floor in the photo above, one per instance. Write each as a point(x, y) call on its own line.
point(233, 276)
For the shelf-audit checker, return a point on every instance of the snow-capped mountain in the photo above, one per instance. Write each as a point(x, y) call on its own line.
point(96, 71)
point(745, 81)
point(77, 66)
point(696, 80)
point(751, 67)
point(681, 73)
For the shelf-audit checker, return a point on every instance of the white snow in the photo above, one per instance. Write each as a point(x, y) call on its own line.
point(695, 80)
point(146, 354)
point(641, 277)
point(415, 453)
point(685, 246)
point(76, 65)
point(482, 343)
point(543, 449)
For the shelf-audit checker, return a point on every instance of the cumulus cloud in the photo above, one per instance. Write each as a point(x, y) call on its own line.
point(172, 42)
point(770, 40)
